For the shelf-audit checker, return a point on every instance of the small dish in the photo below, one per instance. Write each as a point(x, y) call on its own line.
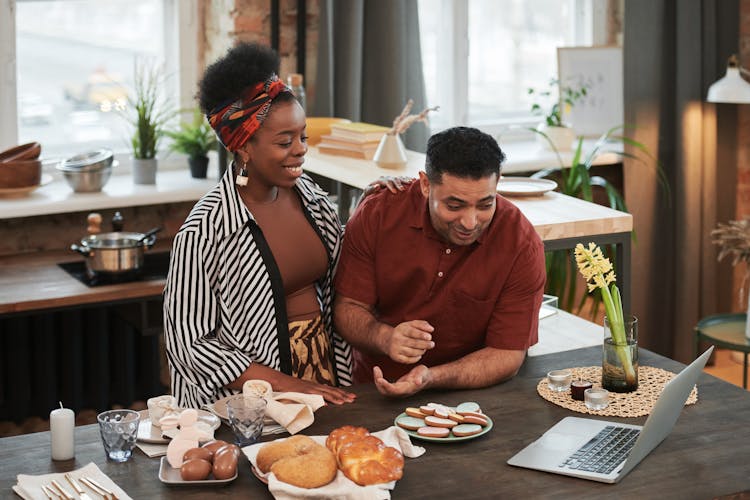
point(23, 191)
point(170, 475)
point(149, 433)
point(451, 438)
point(524, 186)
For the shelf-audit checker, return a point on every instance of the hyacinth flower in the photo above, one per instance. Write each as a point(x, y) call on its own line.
point(598, 273)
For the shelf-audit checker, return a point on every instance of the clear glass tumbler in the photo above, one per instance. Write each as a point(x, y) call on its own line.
point(119, 431)
point(246, 418)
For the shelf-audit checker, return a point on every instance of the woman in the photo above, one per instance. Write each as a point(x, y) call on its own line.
point(249, 291)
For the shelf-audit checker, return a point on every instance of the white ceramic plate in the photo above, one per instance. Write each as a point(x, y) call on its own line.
point(170, 475)
point(149, 433)
point(23, 191)
point(524, 186)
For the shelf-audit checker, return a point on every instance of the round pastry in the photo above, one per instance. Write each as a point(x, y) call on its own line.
point(410, 423)
point(456, 418)
point(338, 437)
point(298, 461)
point(468, 406)
point(427, 410)
point(368, 460)
point(475, 419)
point(434, 432)
point(466, 430)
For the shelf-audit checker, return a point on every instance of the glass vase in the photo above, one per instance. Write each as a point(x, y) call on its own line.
point(620, 360)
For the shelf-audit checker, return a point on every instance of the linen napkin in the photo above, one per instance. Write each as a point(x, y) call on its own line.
point(30, 487)
point(293, 410)
point(341, 488)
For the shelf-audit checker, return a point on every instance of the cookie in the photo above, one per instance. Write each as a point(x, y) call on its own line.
point(466, 430)
point(410, 423)
point(427, 410)
point(414, 412)
point(456, 417)
point(433, 421)
point(475, 419)
point(468, 406)
point(435, 432)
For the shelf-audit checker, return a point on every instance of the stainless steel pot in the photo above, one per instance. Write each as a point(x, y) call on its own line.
point(115, 253)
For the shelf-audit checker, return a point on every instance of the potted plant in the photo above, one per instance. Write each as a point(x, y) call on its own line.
point(194, 139)
point(557, 133)
point(577, 181)
point(149, 116)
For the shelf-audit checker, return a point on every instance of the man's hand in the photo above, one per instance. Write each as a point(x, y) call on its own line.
point(411, 383)
point(409, 341)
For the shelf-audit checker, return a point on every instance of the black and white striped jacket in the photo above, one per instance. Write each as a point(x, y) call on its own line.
point(224, 303)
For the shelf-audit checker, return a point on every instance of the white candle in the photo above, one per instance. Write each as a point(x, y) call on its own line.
point(61, 428)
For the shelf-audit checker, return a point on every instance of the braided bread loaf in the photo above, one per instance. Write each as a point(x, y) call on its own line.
point(364, 458)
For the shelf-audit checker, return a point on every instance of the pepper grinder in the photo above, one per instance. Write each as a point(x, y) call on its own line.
point(117, 222)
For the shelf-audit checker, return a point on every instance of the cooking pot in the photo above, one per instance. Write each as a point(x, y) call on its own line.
point(115, 253)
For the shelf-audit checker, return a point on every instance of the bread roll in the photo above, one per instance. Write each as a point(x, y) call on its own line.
point(298, 461)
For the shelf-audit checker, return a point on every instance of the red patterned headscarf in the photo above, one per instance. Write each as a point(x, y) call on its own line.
point(237, 121)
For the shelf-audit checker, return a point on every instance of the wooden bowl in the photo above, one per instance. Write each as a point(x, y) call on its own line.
point(20, 173)
point(320, 125)
point(28, 151)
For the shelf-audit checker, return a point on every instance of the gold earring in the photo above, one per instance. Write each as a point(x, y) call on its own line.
point(241, 179)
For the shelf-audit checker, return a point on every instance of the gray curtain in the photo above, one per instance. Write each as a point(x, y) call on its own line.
point(370, 64)
point(673, 51)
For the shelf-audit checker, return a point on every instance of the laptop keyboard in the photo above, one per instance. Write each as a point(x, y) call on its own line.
point(603, 452)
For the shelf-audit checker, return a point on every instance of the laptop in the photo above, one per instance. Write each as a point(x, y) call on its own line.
point(604, 451)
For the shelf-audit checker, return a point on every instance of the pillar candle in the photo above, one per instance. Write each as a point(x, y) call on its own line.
point(61, 427)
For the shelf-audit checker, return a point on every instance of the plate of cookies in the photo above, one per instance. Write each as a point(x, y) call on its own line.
point(445, 424)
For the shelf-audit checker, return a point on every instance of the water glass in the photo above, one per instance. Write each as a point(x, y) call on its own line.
point(246, 418)
point(119, 431)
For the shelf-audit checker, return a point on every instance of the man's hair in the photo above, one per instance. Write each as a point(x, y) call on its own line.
point(245, 65)
point(462, 152)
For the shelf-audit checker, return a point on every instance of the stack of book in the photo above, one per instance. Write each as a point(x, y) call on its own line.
point(356, 140)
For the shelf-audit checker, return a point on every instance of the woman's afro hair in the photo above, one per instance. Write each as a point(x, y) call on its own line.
point(243, 66)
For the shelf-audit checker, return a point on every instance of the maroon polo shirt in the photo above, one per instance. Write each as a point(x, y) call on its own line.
point(484, 294)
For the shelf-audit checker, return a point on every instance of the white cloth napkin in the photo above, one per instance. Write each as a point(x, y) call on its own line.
point(152, 450)
point(30, 487)
point(293, 410)
point(341, 488)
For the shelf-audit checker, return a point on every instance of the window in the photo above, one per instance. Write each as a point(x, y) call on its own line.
point(481, 56)
point(74, 63)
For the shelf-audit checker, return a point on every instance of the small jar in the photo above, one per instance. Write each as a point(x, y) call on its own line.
point(578, 387)
point(559, 380)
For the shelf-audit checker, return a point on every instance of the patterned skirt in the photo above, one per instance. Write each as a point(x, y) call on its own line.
point(312, 358)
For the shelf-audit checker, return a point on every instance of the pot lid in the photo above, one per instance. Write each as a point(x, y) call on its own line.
point(113, 240)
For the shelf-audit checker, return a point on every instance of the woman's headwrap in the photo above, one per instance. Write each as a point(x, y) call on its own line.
point(237, 121)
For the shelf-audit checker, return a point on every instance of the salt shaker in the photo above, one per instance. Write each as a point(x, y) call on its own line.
point(117, 222)
point(62, 433)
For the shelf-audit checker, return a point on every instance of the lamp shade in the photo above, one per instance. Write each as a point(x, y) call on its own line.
point(732, 88)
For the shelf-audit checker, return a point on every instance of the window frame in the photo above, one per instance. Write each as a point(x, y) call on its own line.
point(589, 23)
point(181, 25)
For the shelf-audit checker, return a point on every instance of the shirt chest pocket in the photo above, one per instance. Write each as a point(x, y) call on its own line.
point(464, 322)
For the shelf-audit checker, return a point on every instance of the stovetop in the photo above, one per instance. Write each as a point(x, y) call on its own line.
point(155, 266)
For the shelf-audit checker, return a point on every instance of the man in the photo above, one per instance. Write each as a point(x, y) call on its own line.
point(440, 285)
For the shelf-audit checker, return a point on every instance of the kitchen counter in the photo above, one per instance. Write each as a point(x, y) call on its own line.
point(34, 281)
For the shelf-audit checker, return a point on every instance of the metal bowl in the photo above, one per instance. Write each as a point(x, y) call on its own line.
point(87, 181)
point(92, 160)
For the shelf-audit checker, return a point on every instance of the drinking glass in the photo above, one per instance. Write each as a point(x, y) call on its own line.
point(246, 418)
point(559, 380)
point(119, 431)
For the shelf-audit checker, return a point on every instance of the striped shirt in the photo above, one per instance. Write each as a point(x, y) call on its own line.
point(224, 301)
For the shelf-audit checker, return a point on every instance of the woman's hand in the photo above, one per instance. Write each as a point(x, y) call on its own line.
point(330, 394)
point(394, 184)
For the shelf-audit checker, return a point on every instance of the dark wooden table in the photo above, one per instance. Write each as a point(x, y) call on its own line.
point(704, 457)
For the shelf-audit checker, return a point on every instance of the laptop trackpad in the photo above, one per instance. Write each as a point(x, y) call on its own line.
point(557, 441)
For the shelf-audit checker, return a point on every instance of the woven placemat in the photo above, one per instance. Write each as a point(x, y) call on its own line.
point(651, 381)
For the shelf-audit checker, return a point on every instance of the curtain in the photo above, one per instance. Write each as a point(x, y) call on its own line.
point(673, 51)
point(370, 63)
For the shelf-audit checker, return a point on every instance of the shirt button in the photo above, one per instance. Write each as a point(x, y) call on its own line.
point(440, 274)
point(447, 250)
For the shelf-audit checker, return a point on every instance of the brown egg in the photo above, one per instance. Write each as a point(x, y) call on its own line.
point(195, 469)
point(202, 453)
point(230, 447)
point(225, 462)
point(214, 445)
